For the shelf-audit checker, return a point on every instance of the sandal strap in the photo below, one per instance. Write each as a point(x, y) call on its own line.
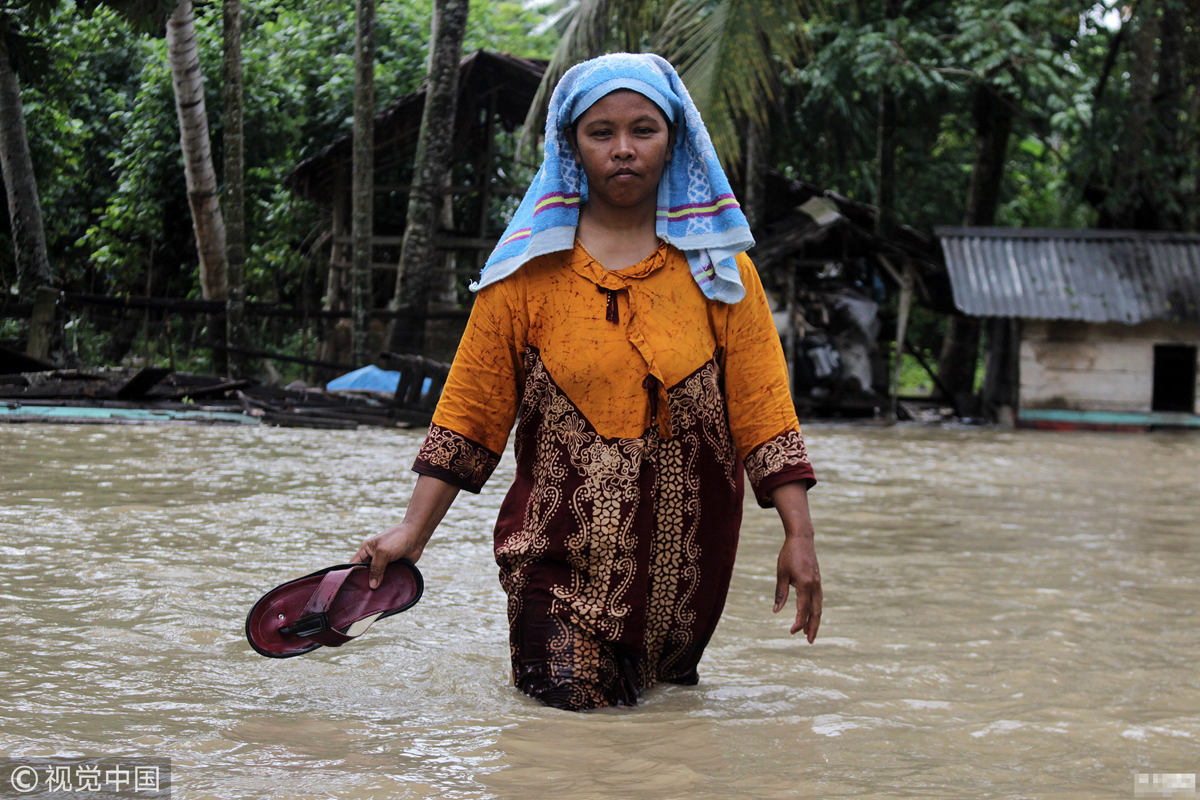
point(327, 589)
point(314, 623)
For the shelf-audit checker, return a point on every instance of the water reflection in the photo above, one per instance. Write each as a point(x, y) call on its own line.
point(1007, 614)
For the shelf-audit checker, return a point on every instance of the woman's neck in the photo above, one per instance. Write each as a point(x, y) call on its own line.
point(617, 237)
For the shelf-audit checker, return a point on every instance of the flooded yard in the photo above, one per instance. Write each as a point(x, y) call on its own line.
point(1008, 615)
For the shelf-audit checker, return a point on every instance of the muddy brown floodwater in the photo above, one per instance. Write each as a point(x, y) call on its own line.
point(1008, 615)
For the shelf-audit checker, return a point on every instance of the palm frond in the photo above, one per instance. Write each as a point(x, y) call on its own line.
point(730, 55)
point(592, 27)
point(586, 35)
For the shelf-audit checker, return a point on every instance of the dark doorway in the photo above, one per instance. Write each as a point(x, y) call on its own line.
point(1174, 378)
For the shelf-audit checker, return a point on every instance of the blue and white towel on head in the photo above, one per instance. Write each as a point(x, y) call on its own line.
point(697, 211)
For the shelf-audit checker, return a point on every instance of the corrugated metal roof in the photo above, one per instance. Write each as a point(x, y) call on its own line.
point(1088, 275)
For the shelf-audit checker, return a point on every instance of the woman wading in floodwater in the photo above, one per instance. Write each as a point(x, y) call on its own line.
point(621, 317)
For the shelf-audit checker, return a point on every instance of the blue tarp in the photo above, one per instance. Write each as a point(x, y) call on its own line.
point(372, 379)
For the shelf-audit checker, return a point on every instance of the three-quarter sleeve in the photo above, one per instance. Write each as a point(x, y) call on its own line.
point(762, 415)
point(475, 413)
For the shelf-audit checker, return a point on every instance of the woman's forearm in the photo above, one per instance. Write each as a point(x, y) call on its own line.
point(431, 499)
point(791, 501)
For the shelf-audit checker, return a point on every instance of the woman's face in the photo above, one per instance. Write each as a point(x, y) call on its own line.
point(623, 142)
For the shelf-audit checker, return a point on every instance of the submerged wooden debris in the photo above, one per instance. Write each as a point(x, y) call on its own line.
point(158, 394)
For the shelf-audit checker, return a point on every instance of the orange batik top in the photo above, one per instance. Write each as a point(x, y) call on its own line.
point(639, 400)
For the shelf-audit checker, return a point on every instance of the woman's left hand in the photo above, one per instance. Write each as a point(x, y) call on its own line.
point(797, 565)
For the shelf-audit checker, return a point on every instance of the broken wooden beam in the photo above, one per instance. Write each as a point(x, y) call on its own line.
point(13, 362)
point(302, 421)
point(142, 382)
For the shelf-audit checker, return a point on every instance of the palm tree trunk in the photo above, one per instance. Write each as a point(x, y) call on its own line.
point(25, 213)
point(434, 147)
point(363, 190)
point(960, 348)
point(1130, 208)
point(1169, 108)
point(207, 222)
point(885, 158)
point(755, 168)
point(235, 189)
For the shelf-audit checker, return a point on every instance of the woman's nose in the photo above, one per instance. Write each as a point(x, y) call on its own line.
point(623, 147)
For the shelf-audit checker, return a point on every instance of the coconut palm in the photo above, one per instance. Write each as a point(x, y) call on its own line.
point(203, 196)
point(18, 40)
point(431, 166)
point(729, 53)
point(25, 212)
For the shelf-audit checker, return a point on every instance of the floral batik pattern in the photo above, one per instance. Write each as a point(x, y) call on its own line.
point(455, 459)
point(616, 553)
point(779, 460)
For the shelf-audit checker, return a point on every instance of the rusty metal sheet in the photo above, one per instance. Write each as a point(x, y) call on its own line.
point(1086, 275)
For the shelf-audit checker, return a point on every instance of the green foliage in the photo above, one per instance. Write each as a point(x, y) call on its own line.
point(1039, 191)
point(729, 55)
point(914, 380)
point(1167, 187)
point(100, 114)
point(85, 342)
point(72, 112)
point(934, 57)
point(834, 100)
point(105, 139)
point(102, 128)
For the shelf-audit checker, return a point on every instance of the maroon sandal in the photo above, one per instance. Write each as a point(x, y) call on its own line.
point(329, 607)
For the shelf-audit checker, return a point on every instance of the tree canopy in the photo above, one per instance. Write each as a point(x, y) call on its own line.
point(105, 141)
point(1102, 96)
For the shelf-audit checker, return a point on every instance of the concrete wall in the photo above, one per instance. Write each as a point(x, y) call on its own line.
point(1094, 367)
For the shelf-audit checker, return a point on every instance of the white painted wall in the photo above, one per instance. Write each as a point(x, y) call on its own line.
point(1089, 367)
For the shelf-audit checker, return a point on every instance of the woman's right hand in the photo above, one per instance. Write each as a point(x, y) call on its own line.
point(382, 549)
point(431, 499)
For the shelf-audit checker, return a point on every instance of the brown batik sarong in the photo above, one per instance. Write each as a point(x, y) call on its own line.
point(616, 553)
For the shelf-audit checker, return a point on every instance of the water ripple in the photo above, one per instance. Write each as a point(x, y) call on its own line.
point(1006, 615)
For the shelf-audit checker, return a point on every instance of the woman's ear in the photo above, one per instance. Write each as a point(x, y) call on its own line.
point(671, 131)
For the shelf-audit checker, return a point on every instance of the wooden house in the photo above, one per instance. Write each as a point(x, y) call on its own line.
point(1087, 328)
point(834, 278)
point(495, 91)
